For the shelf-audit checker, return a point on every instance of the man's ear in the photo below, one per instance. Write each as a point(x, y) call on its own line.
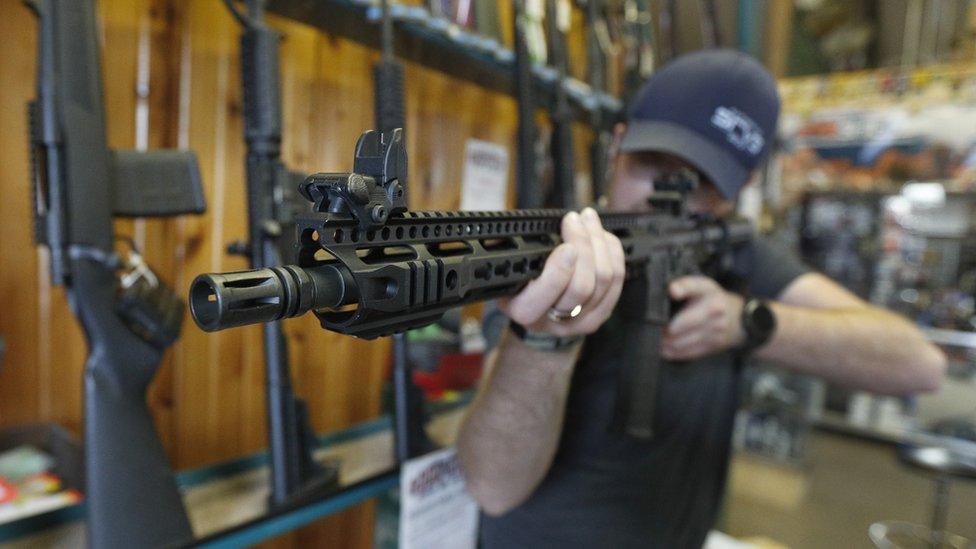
point(618, 135)
point(618, 132)
point(752, 181)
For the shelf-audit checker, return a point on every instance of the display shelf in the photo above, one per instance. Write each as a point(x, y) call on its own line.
point(837, 423)
point(227, 501)
point(437, 43)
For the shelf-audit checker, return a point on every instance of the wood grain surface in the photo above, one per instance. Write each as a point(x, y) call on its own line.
point(172, 79)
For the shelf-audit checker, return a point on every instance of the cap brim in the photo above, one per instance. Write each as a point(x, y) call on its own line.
point(715, 163)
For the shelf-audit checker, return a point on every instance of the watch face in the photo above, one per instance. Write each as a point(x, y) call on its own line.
point(762, 318)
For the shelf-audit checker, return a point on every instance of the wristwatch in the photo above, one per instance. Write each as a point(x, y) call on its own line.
point(759, 324)
point(542, 341)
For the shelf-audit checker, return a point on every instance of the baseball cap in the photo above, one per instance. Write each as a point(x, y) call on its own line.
point(716, 109)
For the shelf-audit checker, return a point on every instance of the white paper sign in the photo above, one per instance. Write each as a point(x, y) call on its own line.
point(484, 181)
point(435, 510)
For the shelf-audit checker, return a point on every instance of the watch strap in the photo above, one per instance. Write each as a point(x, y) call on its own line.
point(542, 341)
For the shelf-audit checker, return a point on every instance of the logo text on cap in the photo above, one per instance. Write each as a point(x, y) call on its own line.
point(740, 130)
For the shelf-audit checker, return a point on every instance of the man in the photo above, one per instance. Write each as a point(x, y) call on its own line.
point(535, 447)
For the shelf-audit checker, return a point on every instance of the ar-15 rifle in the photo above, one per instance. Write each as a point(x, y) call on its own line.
point(294, 473)
point(129, 317)
point(367, 267)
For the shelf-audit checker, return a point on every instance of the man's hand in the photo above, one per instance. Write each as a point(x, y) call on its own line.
point(587, 269)
point(710, 320)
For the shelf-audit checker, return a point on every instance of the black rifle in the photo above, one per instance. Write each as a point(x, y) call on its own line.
point(710, 30)
point(560, 115)
point(388, 79)
point(294, 473)
point(528, 193)
point(601, 124)
point(639, 57)
point(669, 27)
point(410, 437)
point(367, 267)
point(129, 317)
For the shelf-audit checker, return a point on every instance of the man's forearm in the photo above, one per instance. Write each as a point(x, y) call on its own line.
point(861, 348)
point(510, 434)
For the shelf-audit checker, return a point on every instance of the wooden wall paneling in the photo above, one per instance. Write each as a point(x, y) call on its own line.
point(172, 79)
point(21, 376)
point(207, 380)
point(444, 114)
point(576, 45)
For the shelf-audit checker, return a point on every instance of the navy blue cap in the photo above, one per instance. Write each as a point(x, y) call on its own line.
point(715, 109)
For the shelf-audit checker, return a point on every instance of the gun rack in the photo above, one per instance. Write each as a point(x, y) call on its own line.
point(438, 44)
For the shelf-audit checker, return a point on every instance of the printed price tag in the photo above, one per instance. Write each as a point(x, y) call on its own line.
point(435, 510)
point(484, 182)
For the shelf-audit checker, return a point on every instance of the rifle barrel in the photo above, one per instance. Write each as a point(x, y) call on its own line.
point(219, 301)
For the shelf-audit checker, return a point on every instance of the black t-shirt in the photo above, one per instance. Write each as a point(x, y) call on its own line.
point(610, 490)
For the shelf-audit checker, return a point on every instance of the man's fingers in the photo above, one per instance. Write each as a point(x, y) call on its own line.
point(595, 318)
point(602, 267)
point(693, 344)
point(595, 315)
point(685, 352)
point(581, 285)
point(693, 315)
point(683, 341)
point(592, 276)
point(688, 287)
point(572, 230)
point(538, 296)
point(617, 257)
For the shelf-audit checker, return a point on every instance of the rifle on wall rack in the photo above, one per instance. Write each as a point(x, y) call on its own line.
point(368, 267)
point(410, 437)
point(561, 116)
point(527, 189)
point(639, 44)
point(711, 30)
point(128, 315)
point(600, 122)
point(295, 475)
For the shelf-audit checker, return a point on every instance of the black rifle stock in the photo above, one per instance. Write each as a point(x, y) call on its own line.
point(294, 473)
point(79, 184)
point(369, 268)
